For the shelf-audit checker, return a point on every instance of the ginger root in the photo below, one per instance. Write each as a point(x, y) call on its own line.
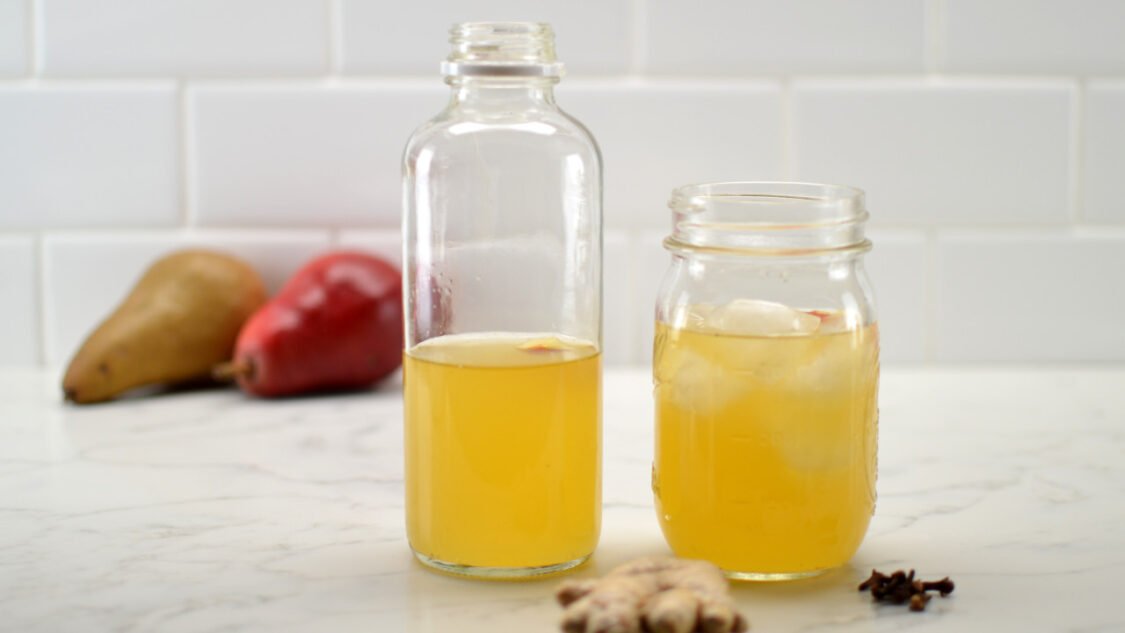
point(657, 595)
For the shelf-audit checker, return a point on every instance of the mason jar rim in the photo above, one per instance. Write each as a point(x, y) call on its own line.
point(767, 217)
point(847, 199)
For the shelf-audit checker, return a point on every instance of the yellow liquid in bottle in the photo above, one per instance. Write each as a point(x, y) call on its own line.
point(765, 447)
point(503, 450)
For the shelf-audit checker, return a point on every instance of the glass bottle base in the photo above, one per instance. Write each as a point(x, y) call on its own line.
point(747, 576)
point(499, 573)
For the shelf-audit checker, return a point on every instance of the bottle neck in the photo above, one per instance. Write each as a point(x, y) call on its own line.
point(502, 94)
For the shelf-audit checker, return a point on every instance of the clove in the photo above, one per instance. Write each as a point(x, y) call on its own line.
point(943, 586)
point(901, 587)
point(918, 601)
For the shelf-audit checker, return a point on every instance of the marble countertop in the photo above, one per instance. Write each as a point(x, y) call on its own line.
point(209, 511)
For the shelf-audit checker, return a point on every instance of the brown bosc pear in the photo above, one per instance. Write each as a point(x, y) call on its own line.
point(179, 320)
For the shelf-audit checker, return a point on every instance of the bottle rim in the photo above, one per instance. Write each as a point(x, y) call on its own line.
point(502, 49)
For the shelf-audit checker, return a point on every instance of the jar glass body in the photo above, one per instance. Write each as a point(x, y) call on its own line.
point(766, 374)
point(502, 283)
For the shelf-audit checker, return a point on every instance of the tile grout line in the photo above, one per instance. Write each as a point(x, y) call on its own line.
point(638, 37)
point(934, 36)
point(34, 28)
point(1076, 147)
point(335, 37)
point(677, 82)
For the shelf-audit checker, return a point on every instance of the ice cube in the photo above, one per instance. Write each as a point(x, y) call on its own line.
point(752, 317)
point(696, 383)
point(688, 316)
point(837, 363)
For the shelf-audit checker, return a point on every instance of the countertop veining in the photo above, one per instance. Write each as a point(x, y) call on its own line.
point(208, 511)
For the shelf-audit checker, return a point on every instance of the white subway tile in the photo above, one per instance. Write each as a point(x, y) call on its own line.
point(413, 37)
point(87, 275)
point(310, 156)
point(13, 37)
point(19, 323)
point(184, 37)
point(1038, 36)
point(899, 272)
point(1104, 159)
point(657, 137)
point(928, 153)
point(650, 262)
point(618, 330)
point(767, 36)
point(85, 278)
point(276, 255)
point(1030, 297)
point(88, 156)
point(385, 243)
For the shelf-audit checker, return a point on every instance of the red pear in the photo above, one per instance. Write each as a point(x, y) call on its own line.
point(335, 325)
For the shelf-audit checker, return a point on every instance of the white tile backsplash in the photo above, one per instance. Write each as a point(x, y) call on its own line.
point(649, 262)
point(184, 37)
point(19, 316)
point(413, 37)
point(899, 271)
point(618, 332)
point(753, 37)
point(304, 155)
point(88, 156)
point(385, 243)
point(1040, 36)
point(14, 57)
point(1104, 153)
point(1019, 296)
point(275, 254)
point(88, 275)
point(274, 129)
point(657, 137)
point(931, 153)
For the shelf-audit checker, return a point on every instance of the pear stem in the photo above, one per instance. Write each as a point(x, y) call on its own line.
point(233, 370)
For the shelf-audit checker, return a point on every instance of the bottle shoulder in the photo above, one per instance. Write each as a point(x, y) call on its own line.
point(581, 130)
point(453, 127)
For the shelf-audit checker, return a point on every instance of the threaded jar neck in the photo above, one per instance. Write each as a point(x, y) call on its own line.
point(767, 218)
point(502, 49)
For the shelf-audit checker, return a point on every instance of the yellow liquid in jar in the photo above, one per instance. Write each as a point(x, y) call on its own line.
point(765, 447)
point(503, 450)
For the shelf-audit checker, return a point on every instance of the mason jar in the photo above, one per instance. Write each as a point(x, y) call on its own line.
point(766, 370)
point(502, 282)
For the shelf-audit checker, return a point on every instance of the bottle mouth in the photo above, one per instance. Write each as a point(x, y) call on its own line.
point(767, 217)
point(502, 49)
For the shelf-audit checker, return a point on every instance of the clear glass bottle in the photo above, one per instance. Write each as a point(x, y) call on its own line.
point(766, 368)
point(502, 283)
